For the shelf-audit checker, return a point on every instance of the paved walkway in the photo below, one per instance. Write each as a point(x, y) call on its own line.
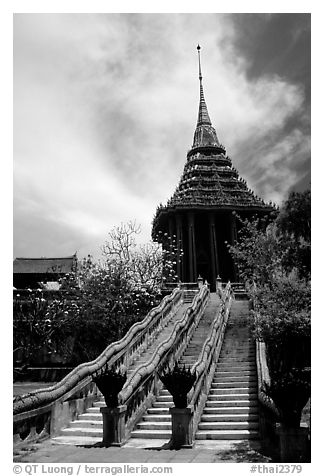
point(203, 452)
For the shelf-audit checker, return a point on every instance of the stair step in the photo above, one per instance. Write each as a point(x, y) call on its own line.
point(99, 404)
point(236, 358)
point(221, 383)
point(86, 424)
point(244, 350)
point(226, 434)
point(91, 416)
point(157, 404)
point(152, 425)
point(232, 390)
point(232, 403)
point(221, 410)
point(158, 411)
point(82, 432)
point(233, 379)
point(94, 410)
point(151, 434)
point(159, 418)
point(232, 397)
point(235, 373)
point(164, 398)
point(235, 368)
point(230, 417)
point(228, 425)
point(164, 392)
point(77, 440)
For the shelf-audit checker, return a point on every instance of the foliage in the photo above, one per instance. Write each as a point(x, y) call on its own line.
point(282, 321)
point(290, 392)
point(281, 247)
point(178, 381)
point(41, 324)
point(98, 302)
point(256, 252)
point(275, 261)
point(294, 226)
point(295, 216)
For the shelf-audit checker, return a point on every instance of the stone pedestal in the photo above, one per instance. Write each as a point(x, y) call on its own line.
point(113, 425)
point(182, 427)
point(294, 444)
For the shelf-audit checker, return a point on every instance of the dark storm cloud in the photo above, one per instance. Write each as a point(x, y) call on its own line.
point(278, 45)
point(275, 44)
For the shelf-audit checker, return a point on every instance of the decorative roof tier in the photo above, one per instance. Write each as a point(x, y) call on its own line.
point(209, 181)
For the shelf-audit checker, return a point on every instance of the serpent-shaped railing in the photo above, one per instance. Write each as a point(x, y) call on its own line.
point(78, 383)
point(205, 366)
point(262, 367)
point(142, 387)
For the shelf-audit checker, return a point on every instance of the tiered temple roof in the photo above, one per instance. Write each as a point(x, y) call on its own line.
point(209, 180)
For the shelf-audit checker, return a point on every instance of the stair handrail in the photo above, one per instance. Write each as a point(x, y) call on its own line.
point(263, 374)
point(205, 366)
point(264, 378)
point(116, 354)
point(141, 388)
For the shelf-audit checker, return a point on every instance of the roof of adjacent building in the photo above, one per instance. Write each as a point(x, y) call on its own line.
point(44, 265)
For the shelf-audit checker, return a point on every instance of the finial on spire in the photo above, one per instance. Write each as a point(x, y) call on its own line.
point(200, 76)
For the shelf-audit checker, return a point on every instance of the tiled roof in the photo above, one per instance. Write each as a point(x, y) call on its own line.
point(213, 181)
point(44, 265)
point(209, 179)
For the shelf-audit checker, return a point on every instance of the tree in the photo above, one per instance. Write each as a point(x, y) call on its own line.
point(295, 216)
point(275, 261)
point(99, 301)
point(282, 246)
point(141, 264)
point(294, 229)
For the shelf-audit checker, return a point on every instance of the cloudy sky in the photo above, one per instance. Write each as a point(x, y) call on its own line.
point(105, 107)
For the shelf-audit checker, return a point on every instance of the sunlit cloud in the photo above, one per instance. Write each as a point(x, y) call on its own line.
point(105, 108)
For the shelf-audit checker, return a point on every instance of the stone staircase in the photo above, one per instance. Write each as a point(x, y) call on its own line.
point(231, 411)
point(156, 422)
point(88, 426)
point(239, 291)
point(189, 294)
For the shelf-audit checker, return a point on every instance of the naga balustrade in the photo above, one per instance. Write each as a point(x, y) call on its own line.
point(143, 386)
point(205, 366)
point(262, 365)
point(268, 412)
point(45, 411)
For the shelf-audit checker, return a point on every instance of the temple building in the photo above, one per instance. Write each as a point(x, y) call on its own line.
point(201, 215)
point(36, 273)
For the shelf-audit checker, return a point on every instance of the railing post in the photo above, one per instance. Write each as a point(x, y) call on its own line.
point(113, 425)
point(182, 427)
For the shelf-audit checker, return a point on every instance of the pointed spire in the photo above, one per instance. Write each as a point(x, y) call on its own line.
point(203, 116)
point(205, 135)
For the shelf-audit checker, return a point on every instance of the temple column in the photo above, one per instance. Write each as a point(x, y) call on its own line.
point(192, 248)
point(213, 249)
point(233, 228)
point(171, 242)
point(233, 239)
point(180, 264)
